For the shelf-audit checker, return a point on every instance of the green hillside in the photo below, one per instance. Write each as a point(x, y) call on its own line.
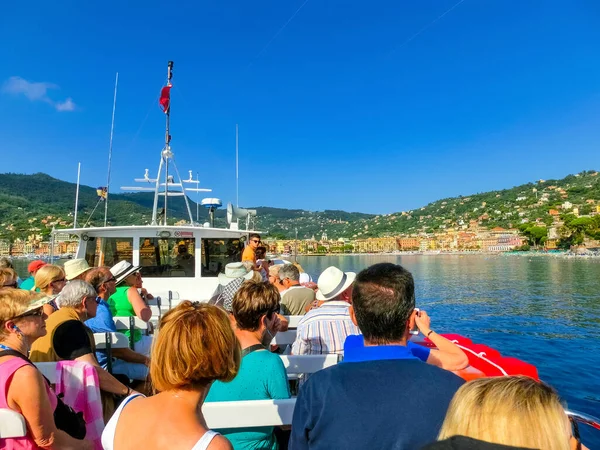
point(27, 200)
point(514, 207)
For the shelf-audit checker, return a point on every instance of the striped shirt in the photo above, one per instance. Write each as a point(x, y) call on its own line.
point(324, 330)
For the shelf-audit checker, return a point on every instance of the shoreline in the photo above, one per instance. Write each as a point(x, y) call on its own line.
point(562, 255)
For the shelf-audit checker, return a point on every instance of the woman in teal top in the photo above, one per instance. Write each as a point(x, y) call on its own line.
point(262, 375)
point(127, 302)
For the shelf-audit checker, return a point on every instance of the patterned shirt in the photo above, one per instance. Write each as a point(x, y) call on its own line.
point(324, 330)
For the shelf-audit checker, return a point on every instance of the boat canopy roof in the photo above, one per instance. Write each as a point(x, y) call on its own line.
point(135, 229)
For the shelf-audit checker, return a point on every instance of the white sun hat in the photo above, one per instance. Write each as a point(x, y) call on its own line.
point(233, 271)
point(122, 270)
point(332, 282)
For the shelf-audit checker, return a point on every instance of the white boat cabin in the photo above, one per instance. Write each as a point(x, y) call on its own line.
point(184, 259)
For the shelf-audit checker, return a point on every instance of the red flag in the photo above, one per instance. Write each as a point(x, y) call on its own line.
point(165, 98)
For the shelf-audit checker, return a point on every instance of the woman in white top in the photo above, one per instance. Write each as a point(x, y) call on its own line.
point(196, 345)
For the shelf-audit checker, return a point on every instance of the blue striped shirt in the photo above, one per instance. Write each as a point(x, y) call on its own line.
point(324, 330)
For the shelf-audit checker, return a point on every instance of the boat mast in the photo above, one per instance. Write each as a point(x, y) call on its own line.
point(167, 151)
point(166, 157)
point(112, 128)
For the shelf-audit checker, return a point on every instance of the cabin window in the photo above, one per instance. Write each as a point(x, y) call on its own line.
point(108, 251)
point(167, 257)
point(217, 253)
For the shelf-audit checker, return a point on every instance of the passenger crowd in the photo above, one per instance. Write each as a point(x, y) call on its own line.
point(387, 392)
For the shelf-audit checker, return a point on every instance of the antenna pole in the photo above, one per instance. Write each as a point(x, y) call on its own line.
point(76, 196)
point(237, 182)
point(167, 151)
point(197, 198)
point(112, 129)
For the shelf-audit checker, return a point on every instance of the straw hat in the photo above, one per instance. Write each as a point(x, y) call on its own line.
point(75, 267)
point(234, 270)
point(333, 282)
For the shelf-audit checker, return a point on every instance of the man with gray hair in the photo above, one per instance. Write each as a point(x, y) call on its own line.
point(295, 297)
point(68, 338)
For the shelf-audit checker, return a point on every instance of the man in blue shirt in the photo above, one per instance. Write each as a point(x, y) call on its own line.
point(129, 363)
point(381, 396)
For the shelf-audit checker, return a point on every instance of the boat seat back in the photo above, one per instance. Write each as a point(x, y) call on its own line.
point(108, 341)
point(12, 424)
point(295, 364)
point(113, 340)
point(124, 323)
point(48, 369)
point(253, 413)
point(293, 321)
point(284, 338)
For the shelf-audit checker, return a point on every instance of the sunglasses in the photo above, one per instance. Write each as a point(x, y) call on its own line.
point(62, 280)
point(254, 240)
point(11, 285)
point(110, 280)
point(37, 312)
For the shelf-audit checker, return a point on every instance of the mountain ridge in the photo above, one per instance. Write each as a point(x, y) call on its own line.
point(25, 199)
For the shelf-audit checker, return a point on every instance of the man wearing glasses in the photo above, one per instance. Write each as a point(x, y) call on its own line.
point(129, 363)
point(250, 250)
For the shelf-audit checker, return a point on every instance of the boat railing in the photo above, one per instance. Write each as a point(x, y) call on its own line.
point(578, 417)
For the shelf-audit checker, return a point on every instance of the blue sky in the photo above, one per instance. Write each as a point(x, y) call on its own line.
point(348, 106)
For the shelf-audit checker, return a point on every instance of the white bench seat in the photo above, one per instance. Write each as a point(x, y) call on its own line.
point(155, 310)
point(295, 364)
point(284, 338)
point(117, 340)
point(293, 321)
point(48, 369)
point(123, 323)
point(254, 413)
point(12, 424)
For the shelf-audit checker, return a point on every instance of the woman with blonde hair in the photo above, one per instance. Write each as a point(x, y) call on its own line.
point(513, 411)
point(22, 387)
point(50, 280)
point(195, 347)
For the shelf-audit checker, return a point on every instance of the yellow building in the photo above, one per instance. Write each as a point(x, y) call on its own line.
point(375, 245)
